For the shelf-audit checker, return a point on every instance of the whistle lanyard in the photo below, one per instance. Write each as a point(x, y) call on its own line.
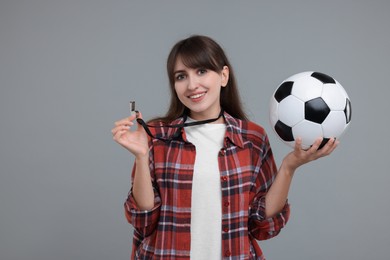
point(182, 125)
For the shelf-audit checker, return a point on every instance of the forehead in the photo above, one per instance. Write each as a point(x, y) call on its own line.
point(179, 65)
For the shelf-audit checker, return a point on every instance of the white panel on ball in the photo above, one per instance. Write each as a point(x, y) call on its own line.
point(334, 124)
point(307, 88)
point(308, 131)
point(291, 111)
point(334, 96)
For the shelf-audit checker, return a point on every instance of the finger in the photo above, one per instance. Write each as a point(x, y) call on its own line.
point(122, 121)
point(298, 144)
point(133, 115)
point(316, 145)
point(126, 120)
point(331, 145)
point(117, 136)
point(115, 132)
point(121, 127)
point(324, 147)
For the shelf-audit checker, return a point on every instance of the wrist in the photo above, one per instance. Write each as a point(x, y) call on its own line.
point(142, 158)
point(287, 169)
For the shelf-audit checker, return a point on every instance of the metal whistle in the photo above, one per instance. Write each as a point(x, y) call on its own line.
point(132, 109)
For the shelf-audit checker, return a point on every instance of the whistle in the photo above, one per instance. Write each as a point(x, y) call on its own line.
point(132, 109)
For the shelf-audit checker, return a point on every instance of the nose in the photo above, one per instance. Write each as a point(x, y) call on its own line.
point(193, 82)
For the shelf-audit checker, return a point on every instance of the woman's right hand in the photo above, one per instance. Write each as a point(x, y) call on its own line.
point(135, 141)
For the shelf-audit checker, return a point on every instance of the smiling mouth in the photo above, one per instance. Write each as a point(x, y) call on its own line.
point(197, 95)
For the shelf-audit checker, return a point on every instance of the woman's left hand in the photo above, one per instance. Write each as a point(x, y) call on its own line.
point(299, 156)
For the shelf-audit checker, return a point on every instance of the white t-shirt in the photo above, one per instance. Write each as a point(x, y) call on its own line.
point(206, 212)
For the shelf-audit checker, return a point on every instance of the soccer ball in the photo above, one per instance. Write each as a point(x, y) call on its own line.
point(309, 105)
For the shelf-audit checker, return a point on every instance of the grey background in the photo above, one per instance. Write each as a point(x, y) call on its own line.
point(69, 68)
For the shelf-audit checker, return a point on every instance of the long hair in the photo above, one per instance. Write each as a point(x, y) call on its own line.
point(202, 52)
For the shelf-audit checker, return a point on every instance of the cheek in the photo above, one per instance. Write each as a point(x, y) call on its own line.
point(177, 88)
point(179, 91)
point(215, 84)
point(215, 81)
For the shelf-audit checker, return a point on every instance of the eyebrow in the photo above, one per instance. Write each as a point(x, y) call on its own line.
point(178, 71)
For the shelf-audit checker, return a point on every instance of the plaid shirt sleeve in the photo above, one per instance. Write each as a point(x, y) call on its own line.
point(144, 221)
point(260, 227)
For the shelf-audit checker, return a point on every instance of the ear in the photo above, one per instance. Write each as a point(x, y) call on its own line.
point(225, 75)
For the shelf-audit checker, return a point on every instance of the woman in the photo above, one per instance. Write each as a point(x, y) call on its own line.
point(204, 183)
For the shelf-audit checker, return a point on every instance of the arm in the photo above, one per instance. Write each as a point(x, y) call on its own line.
point(136, 142)
point(142, 207)
point(261, 226)
point(142, 189)
point(270, 211)
point(143, 220)
point(277, 195)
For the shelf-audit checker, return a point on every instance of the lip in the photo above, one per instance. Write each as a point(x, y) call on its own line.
point(197, 96)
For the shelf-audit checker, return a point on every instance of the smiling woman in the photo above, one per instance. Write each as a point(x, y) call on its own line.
point(201, 55)
point(199, 89)
point(205, 184)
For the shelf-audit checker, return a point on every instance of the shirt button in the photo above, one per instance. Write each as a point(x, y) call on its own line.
point(228, 253)
point(226, 230)
point(224, 178)
point(226, 204)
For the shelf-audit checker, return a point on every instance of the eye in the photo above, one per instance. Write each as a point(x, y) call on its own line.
point(180, 76)
point(202, 71)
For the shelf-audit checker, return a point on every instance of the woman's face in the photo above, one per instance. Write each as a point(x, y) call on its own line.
point(199, 89)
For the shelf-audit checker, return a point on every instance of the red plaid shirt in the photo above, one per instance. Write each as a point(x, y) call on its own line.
point(247, 170)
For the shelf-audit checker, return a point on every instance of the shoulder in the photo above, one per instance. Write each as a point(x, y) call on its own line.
point(246, 132)
point(256, 137)
point(162, 129)
point(254, 132)
point(157, 128)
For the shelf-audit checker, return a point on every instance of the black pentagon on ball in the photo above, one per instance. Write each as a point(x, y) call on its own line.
point(283, 91)
point(323, 143)
point(284, 131)
point(316, 110)
point(323, 77)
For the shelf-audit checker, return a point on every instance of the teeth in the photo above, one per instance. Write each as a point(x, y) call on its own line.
point(197, 95)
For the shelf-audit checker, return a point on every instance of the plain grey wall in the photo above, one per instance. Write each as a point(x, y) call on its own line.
point(69, 68)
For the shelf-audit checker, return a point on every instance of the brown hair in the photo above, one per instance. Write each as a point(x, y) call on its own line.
point(202, 52)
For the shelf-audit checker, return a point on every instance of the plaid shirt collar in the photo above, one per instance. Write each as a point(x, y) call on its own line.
point(232, 136)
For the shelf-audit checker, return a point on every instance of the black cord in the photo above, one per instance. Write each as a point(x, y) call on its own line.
point(146, 126)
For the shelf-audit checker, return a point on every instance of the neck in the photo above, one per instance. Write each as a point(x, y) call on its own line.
point(207, 116)
point(219, 119)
